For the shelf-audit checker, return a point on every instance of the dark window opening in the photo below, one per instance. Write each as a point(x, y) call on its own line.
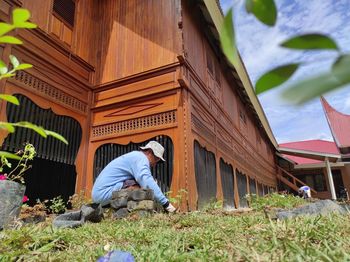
point(65, 9)
point(53, 171)
point(227, 182)
point(205, 172)
point(242, 188)
point(252, 186)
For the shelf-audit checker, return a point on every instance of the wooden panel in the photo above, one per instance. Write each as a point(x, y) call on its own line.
point(139, 89)
point(48, 50)
point(200, 92)
point(56, 27)
point(193, 40)
point(67, 35)
point(136, 36)
point(40, 11)
point(136, 109)
point(86, 29)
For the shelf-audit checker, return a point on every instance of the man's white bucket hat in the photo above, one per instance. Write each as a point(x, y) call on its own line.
point(158, 149)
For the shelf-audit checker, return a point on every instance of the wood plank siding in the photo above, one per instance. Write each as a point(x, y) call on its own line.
point(130, 71)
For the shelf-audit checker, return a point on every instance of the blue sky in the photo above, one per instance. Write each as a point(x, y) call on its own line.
point(258, 46)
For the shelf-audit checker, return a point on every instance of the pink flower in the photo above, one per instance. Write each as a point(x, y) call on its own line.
point(25, 199)
point(3, 177)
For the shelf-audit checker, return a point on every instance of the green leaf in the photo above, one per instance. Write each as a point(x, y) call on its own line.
point(7, 75)
point(38, 129)
point(19, 16)
point(3, 68)
point(24, 66)
point(14, 61)
point(308, 89)
point(264, 10)
point(275, 77)
point(9, 98)
point(227, 39)
point(10, 40)
point(310, 42)
point(28, 25)
point(9, 155)
point(56, 135)
point(5, 28)
point(8, 126)
point(341, 68)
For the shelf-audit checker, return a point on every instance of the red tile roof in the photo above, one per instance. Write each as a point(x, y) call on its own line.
point(318, 146)
point(339, 124)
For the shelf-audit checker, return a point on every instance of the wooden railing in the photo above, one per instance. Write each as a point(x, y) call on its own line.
point(291, 181)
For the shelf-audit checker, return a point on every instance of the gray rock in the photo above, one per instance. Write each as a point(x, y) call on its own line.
point(92, 212)
point(321, 207)
point(121, 213)
point(120, 202)
point(121, 193)
point(69, 220)
point(141, 205)
point(141, 194)
point(11, 195)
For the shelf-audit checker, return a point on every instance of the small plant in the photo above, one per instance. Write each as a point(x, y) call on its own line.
point(178, 198)
point(17, 173)
point(57, 205)
point(212, 205)
point(76, 201)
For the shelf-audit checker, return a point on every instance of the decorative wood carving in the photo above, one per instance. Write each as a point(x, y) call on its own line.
point(49, 91)
point(140, 123)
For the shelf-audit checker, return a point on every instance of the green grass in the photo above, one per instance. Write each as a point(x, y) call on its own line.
point(213, 235)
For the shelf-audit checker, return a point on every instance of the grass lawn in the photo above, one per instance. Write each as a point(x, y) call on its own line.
point(212, 235)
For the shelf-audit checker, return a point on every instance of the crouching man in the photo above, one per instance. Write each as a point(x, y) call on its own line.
point(304, 192)
point(131, 170)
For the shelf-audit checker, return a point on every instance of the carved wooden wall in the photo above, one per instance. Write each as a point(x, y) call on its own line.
point(219, 118)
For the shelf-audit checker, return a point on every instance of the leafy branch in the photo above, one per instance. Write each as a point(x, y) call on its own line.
point(19, 21)
point(266, 12)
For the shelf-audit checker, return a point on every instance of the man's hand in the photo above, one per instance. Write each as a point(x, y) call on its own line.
point(170, 208)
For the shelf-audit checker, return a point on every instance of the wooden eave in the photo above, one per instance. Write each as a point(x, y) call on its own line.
point(213, 14)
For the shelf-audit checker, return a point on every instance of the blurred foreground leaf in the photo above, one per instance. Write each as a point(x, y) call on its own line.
point(227, 39)
point(314, 87)
point(56, 135)
point(275, 77)
point(9, 98)
point(9, 155)
point(310, 42)
point(264, 10)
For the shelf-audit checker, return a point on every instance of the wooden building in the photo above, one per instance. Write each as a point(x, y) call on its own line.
point(110, 75)
point(323, 165)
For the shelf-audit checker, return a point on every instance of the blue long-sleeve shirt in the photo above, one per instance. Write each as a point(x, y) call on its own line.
point(133, 165)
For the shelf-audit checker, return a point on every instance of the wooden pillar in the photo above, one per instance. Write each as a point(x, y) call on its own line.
point(330, 179)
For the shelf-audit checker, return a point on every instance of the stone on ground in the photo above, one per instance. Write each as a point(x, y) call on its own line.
point(321, 207)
